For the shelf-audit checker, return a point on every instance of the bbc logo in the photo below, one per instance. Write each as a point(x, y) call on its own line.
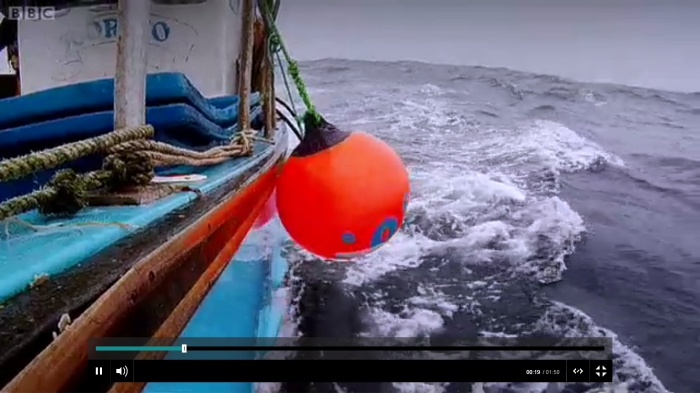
point(32, 13)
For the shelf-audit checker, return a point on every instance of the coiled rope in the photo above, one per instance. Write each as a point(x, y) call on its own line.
point(130, 162)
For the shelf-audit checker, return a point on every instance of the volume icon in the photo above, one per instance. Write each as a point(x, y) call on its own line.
point(123, 371)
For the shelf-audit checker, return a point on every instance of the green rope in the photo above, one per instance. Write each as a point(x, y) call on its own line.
point(130, 161)
point(68, 192)
point(19, 167)
point(292, 65)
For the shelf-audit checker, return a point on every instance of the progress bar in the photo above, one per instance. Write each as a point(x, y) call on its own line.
point(137, 348)
point(184, 348)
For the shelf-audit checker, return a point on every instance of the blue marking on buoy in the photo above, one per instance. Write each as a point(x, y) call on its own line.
point(348, 238)
point(390, 224)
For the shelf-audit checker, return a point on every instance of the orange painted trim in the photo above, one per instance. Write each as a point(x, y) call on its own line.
point(178, 319)
point(65, 358)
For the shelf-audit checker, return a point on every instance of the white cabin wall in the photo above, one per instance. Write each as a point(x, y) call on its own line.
point(231, 41)
point(202, 41)
point(5, 67)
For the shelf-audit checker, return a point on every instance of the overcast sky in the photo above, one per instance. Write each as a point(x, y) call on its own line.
point(635, 42)
point(651, 43)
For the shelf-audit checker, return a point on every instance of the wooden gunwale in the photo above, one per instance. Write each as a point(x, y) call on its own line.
point(176, 322)
point(196, 241)
point(28, 320)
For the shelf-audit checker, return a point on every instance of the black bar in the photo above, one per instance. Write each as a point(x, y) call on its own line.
point(348, 370)
point(442, 348)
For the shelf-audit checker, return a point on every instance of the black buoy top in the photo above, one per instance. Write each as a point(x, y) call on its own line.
point(319, 135)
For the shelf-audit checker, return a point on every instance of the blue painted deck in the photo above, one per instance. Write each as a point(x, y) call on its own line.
point(26, 253)
point(248, 300)
point(180, 115)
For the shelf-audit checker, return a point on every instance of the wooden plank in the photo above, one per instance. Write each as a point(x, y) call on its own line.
point(53, 369)
point(178, 319)
point(132, 63)
point(246, 63)
point(268, 93)
point(28, 320)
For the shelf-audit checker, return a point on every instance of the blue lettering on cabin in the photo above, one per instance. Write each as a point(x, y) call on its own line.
point(160, 31)
point(110, 27)
point(107, 28)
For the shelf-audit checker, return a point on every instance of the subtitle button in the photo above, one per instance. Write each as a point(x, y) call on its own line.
point(601, 370)
point(577, 370)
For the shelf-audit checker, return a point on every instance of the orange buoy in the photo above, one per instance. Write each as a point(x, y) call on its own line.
point(341, 194)
point(267, 212)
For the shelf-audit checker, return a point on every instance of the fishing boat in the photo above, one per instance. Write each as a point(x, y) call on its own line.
point(138, 160)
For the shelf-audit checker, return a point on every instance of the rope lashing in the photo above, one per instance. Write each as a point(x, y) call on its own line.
point(162, 154)
point(292, 65)
point(131, 160)
point(274, 52)
point(67, 192)
point(19, 167)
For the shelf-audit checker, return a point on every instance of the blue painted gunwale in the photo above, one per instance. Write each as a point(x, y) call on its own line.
point(248, 300)
point(27, 253)
point(74, 112)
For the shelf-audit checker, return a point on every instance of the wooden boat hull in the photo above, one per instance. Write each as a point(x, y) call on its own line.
point(146, 267)
point(161, 276)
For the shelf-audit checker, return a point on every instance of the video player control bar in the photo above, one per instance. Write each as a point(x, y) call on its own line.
point(351, 370)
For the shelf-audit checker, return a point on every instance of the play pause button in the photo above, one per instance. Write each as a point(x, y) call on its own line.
point(98, 371)
point(601, 370)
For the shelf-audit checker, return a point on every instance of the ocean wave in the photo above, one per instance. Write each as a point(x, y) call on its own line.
point(486, 225)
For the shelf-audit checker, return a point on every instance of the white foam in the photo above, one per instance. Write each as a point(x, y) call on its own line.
point(566, 321)
point(565, 149)
point(481, 208)
point(431, 298)
point(411, 322)
point(402, 251)
point(420, 387)
point(480, 195)
point(267, 387)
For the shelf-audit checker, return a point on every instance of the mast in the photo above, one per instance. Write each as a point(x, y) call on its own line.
point(132, 63)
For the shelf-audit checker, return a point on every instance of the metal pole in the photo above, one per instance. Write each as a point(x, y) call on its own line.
point(132, 62)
